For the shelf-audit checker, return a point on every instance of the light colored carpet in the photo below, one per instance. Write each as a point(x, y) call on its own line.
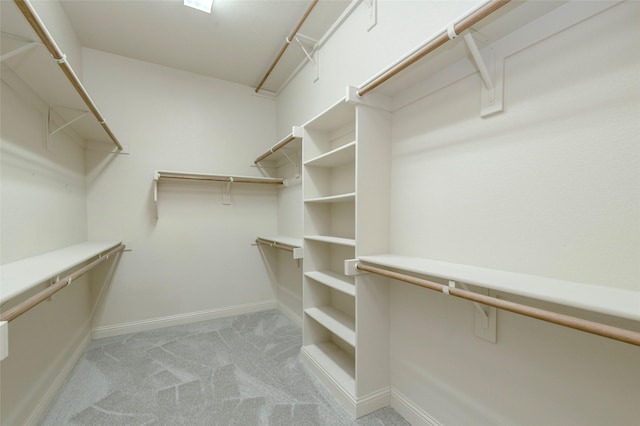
point(242, 370)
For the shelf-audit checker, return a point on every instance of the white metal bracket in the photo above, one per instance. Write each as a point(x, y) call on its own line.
point(373, 14)
point(312, 54)
point(492, 91)
point(226, 193)
point(486, 316)
point(80, 114)
point(53, 281)
point(293, 163)
point(156, 177)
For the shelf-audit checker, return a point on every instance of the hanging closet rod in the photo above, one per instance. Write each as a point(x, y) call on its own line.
point(599, 329)
point(288, 40)
point(296, 133)
point(472, 18)
point(34, 300)
point(276, 147)
point(34, 20)
point(275, 244)
point(161, 175)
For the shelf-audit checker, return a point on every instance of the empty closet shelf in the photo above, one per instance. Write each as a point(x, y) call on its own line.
point(291, 244)
point(334, 362)
point(334, 280)
point(350, 242)
point(607, 300)
point(23, 275)
point(335, 321)
point(295, 135)
point(340, 198)
point(164, 175)
point(337, 157)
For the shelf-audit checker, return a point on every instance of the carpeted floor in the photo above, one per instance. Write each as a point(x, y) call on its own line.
point(242, 370)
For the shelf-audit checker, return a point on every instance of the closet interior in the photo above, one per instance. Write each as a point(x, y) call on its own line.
point(343, 232)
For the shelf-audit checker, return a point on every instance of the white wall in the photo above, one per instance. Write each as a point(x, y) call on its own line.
point(549, 187)
point(197, 258)
point(43, 208)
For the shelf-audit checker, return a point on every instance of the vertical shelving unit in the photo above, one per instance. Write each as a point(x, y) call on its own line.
point(346, 195)
point(329, 193)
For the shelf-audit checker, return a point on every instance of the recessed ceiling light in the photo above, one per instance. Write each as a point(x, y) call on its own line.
point(203, 5)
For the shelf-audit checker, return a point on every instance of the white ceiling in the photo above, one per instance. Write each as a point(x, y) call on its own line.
point(236, 42)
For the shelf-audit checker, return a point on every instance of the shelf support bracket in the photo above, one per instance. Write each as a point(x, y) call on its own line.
point(226, 193)
point(293, 163)
point(312, 55)
point(492, 91)
point(50, 132)
point(486, 316)
point(373, 14)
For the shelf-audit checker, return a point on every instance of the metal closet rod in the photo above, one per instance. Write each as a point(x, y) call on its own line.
point(34, 20)
point(286, 44)
point(34, 300)
point(432, 44)
point(592, 327)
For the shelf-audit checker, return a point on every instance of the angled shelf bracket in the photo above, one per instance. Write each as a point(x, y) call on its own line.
point(311, 54)
point(373, 14)
point(492, 92)
point(486, 316)
point(81, 114)
point(226, 193)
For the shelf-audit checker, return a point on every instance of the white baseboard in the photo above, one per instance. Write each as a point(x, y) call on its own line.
point(71, 356)
point(356, 407)
point(411, 412)
point(372, 402)
point(169, 321)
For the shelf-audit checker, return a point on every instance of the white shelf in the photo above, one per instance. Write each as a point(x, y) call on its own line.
point(612, 301)
point(335, 116)
point(350, 242)
point(22, 275)
point(340, 198)
point(287, 241)
point(274, 153)
point(166, 175)
point(334, 280)
point(291, 244)
point(335, 321)
point(335, 363)
point(342, 155)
